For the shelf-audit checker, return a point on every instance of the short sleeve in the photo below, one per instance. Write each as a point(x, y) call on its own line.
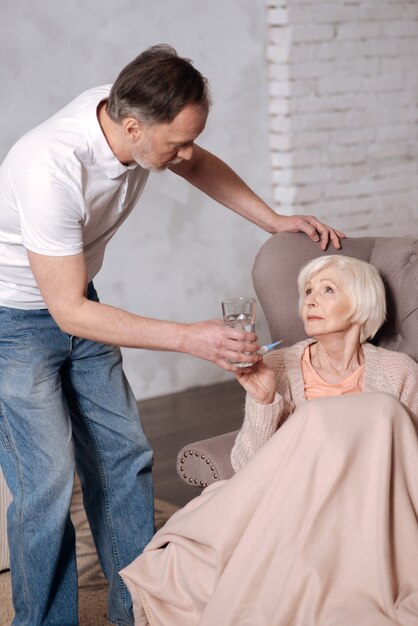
point(51, 215)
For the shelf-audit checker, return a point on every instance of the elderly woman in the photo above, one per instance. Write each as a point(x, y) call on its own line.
point(318, 527)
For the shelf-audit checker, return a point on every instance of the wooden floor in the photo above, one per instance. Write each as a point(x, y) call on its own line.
point(175, 420)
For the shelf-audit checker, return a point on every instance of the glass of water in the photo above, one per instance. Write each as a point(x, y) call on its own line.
point(239, 313)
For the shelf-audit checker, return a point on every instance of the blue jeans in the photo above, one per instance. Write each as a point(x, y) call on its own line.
point(65, 404)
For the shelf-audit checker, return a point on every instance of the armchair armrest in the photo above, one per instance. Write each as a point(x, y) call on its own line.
point(204, 462)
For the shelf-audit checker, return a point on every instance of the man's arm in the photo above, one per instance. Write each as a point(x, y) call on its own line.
point(63, 284)
point(212, 176)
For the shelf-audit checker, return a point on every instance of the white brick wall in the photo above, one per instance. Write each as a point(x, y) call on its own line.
point(343, 104)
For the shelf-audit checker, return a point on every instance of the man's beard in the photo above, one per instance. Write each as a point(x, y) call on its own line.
point(147, 164)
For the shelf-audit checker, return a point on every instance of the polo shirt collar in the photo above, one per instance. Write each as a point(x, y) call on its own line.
point(109, 163)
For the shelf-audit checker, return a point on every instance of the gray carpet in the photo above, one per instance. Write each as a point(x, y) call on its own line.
point(92, 584)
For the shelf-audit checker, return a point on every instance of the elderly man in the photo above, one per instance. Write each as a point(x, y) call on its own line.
point(65, 188)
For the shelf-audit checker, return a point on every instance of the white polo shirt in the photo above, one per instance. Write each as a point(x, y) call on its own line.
point(62, 191)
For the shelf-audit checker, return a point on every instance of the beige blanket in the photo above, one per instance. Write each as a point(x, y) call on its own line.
point(318, 529)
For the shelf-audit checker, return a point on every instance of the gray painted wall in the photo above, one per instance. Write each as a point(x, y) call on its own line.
point(179, 252)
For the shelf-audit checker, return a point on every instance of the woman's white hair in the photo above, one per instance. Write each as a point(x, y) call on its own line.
point(361, 282)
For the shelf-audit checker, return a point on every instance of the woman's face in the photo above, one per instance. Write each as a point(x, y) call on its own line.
point(327, 307)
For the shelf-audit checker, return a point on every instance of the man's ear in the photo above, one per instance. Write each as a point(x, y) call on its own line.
point(132, 128)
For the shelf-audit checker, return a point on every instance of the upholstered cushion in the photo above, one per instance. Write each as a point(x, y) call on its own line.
point(397, 261)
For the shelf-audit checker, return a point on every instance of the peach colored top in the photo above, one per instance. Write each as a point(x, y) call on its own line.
point(317, 387)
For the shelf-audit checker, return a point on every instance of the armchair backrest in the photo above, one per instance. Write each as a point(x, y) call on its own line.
point(279, 260)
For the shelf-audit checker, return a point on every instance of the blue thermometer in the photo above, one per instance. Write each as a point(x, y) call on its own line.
point(268, 347)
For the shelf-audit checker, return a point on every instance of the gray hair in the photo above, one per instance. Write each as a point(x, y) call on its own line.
point(361, 282)
point(156, 86)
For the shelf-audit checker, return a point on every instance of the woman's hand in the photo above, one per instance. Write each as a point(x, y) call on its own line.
point(259, 382)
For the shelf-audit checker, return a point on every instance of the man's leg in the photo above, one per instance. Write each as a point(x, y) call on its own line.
point(37, 458)
point(113, 461)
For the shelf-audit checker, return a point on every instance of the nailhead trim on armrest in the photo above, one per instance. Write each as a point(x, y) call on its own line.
point(194, 481)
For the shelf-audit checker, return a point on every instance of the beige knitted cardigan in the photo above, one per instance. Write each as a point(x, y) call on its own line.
point(387, 371)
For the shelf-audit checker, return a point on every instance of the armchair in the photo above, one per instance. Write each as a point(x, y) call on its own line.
point(274, 273)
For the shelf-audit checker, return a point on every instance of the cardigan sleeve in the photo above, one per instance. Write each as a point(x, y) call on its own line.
point(409, 389)
point(260, 422)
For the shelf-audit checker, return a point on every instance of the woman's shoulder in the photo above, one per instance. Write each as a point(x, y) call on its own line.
point(390, 358)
